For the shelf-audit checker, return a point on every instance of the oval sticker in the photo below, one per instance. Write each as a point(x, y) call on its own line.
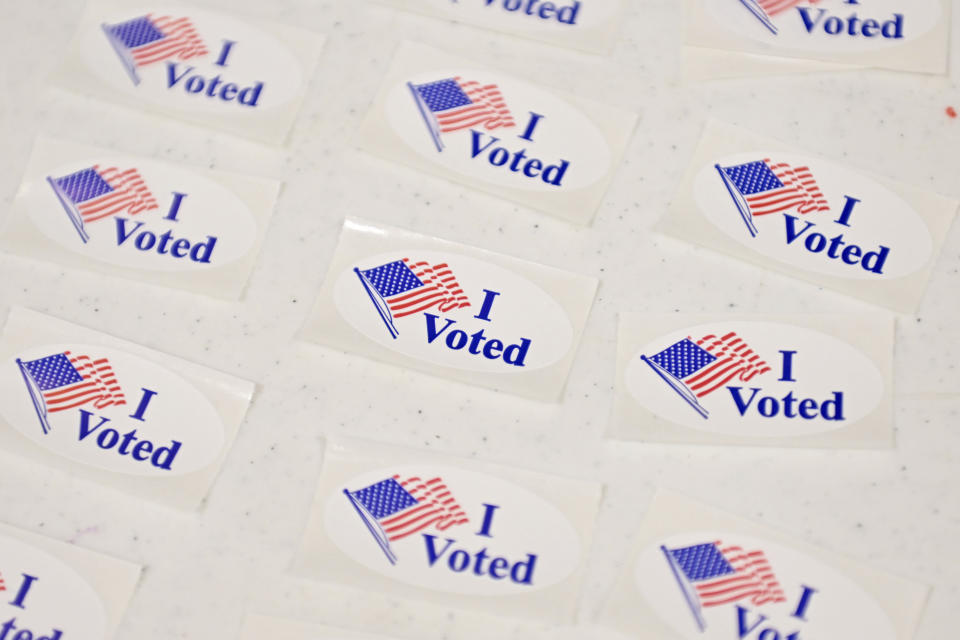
point(109, 409)
point(192, 60)
point(813, 214)
point(759, 379)
point(139, 213)
point(719, 585)
point(45, 598)
point(830, 26)
point(454, 311)
point(498, 129)
point(452, 530)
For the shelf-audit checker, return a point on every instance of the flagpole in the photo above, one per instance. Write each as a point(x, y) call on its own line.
point(72, 212)
point(38, 405)
point(677, 386)
point(427, 119)
point(744, 213)
point(694, 606)
point(760, 15)
point(384, 545)
point(387, 321)
point(125, 59)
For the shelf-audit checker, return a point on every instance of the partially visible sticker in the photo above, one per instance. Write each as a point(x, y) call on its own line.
point(590, 25)
point(140, 218)
point(887, 34)
point(55, 591)
point(698, 573)
point(804, 380)
point(451, 531)
point(127, 416)
point(488, 130)
point(209, 68)
point(452, 310)
point(810, 218)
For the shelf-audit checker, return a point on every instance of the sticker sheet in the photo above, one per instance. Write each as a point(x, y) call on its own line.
point(699, 574)
point(454, 532)
point(590, 25)
point(108, 410)
point(888, 34)
point(772, 380)
point(134, 217)
point(243, 76)
point(485, 129)
point(808, 217)
point(50, 590)
point(451, 310)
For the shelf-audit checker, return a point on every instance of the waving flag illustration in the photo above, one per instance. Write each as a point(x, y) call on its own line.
point(454, 104)
point(148, 39)
point(764, 187)
point(765, 10)
point(716, 573)
point(94, 193)
point(696, 369)
point(405, 287)
point(65, 380)
point(3, 587)
point(395, 508)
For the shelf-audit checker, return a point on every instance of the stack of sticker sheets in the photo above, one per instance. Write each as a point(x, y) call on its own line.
point(479, 319)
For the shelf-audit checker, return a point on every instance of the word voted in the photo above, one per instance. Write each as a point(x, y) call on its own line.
point(9, 629)
point(215, 88)
point(498, 155)
point(853, 25)
point(460, 560)
point(477, 343)
point(837, 247)
point(164, 243)
point(538, 9)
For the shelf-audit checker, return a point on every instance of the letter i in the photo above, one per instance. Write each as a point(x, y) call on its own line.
point(528, 132)
point(24, 589)
point(804, 603)
point(488, 510)
point(788, 366)
point(488, 299)
point(844, 218)
point(175, 206)
point(142, 407)
point(224, 52)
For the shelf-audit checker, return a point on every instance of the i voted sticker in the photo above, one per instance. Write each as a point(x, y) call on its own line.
point(698, 573)
point(456, 532)
point(140, 218)
point(212, 69)
point(494, 132)
point(810, 218)
point(818, 380)
point(590, 25)
point(53, 591)
point(446, 308)
point(111, 410)
point(876, 33)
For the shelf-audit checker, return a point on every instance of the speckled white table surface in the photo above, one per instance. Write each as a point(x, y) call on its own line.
point(896, 510)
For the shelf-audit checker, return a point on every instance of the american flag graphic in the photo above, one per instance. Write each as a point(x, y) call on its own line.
point(457, 104)
point(98, 193)
point(150, 39)
point(405, 506)
point(724, 573)
point(66, 381)
point(711, 362)
point(409, 286)
point(3, 587)
point(776, 7)
point(772, 187)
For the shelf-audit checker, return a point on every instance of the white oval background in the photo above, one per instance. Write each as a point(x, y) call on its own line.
point(564, 133)
point(840, 609)
point(592, 14)
point(59, 599)
point(522, 310)
point(920, 16)
point(257, 56)
point(823, 364)
point(209, 209)
point(881, 218)
point(178, 412)
point(524, 523)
